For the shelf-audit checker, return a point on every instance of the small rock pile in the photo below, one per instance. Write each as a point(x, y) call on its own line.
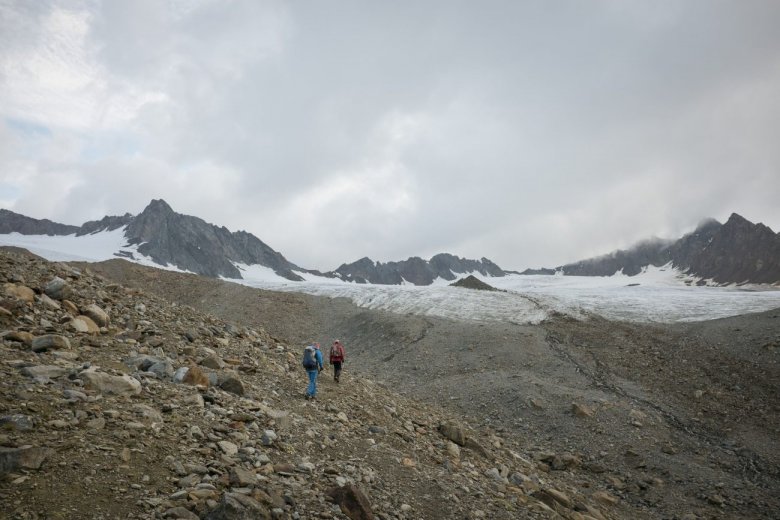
point(118, 404)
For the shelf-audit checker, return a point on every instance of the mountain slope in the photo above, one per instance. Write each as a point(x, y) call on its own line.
point(11, 222)
point(194, 245)
point(735, 252)
point(168, 239)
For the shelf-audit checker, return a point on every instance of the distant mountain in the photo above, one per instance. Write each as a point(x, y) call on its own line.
point(11, 222)
point(169, 238)
point(415, 270)
point(735, 252)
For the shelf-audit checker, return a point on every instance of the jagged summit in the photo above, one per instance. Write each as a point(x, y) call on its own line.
point(169, 239)
point(735, 252)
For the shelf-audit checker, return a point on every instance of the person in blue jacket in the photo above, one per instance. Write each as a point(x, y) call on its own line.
point(312, 362)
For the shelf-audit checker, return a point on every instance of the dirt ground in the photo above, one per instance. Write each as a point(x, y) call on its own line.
point(681, 420)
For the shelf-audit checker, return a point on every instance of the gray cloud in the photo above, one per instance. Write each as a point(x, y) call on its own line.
point(528, 132)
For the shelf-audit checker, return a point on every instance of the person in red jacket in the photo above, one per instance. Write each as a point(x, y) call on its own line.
point(337, 356)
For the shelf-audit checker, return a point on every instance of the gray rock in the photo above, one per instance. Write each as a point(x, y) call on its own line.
point(58, 289)
point(14, 459)
point(230, 382)
point(268, 438)
point(453, 432)
point(234, 506)
point(74, 395)
point(108, 384)
point(212, 361)
point(240, 477)
point(181, 513)
point(44, 372)
point(18, 422)
point(228, 448)
point(98, 315)
point(352, 502)
point(49, 342)
point(162, 369)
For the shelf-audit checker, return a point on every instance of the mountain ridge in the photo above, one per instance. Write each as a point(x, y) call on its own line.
point(191, 244)
point(737, 251)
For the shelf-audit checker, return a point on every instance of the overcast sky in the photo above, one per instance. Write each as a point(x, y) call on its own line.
point(531, 133)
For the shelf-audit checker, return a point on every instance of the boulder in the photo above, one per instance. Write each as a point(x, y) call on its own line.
point(98, 315)
point(213, 361)
point(195, 376)
point(231, 383)
point(240, 477)
point(50, 342)
point(58, 289)
point(44, 372)
point(20, 292)
point(20, 336)
point(109, 384)
point(14, 459)
point(70, 307)
point(17, 421)
point(581, 410)
point(48, 302)
point(234, 506)
point(352, 502)
point(85, 325)
point(453, 432)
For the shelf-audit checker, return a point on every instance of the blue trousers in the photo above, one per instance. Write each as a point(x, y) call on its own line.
point(312, 390)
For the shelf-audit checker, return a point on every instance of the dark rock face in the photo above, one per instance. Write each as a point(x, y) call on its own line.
point(109, 223)
point(194, 245)
point(170, 238)
point(739, 251)
point(735, 252)
point(631, 261)
point(11, 222)
point(415, 270)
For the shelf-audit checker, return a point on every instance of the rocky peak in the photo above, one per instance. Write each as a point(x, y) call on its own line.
point(739, 252)
point(735, 252)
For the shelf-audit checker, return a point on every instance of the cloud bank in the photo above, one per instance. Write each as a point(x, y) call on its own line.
point(528, 132)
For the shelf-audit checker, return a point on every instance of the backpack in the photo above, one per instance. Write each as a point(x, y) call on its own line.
point(336, 353)
point(309, 358)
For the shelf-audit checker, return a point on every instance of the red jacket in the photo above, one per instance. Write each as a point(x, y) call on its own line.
point(337, 352)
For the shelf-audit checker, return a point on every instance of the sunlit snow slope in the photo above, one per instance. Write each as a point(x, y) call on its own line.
point(661, 296)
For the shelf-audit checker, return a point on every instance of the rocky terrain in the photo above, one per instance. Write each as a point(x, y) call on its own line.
point(118, 403)
point(672, 421)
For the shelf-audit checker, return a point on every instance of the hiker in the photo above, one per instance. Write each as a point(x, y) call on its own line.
point(312, 363)
point(337, 356)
